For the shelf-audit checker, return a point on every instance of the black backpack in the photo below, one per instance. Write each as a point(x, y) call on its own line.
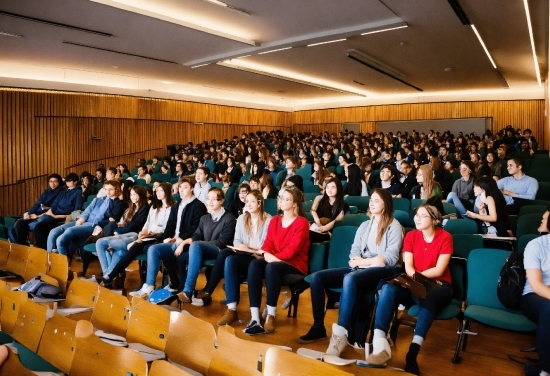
point(511, 281)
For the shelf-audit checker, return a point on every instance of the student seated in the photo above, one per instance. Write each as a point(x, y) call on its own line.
point(250, 233)
point(535, 302)
point(202, 186)
point(517, 186)
point(183, 221)
point(41, 206)
point(388, 180)
point(237, 206)
point(463, 189)
point(215, 231)
point(286, 250)
point(374, 255)
point(111, 249)
point(67, 201)
point(150, 234)
point(426, 250)
point(427, 187)
point(109, 208)
point(327, 210)
point(355, 186)
point(269, 189)
point(492, 216)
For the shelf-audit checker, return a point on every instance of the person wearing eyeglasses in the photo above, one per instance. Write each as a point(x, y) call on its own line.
point(426, 250)
point(237, 206)
point(285, 251)
point(215, 232)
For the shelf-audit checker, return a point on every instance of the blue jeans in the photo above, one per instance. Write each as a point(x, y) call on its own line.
point(453, 198)
point(537, 309)
point(161, 252)
point(119, 244)
point(392, 295)
point(61, 237)
point(354, 283)
point(198, 251)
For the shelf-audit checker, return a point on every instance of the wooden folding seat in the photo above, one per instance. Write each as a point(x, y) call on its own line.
point(190, 342)
point(37, 263)
point(4, 253)
point(11, 303)
point(29, 325)
point(17, 260)
point(58, 268)
point(111, 312)
point(148, 324)
point(224, 361)
point(95, 357)
point(81, 294)
point(58, 342)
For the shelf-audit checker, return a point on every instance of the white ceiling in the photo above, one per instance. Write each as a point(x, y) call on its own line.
point(435, 40)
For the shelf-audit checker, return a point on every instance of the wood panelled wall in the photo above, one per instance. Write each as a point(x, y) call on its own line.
point(521, 114)
point(46, 132)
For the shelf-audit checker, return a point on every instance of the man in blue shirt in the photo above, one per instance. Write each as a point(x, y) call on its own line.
point(67, 201)
point(518, 186)
point(46, 199)
point(108, 208)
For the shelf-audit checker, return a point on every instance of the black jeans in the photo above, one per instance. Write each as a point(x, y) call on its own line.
point(135, 250)
point(42, 230)
point(273, 273)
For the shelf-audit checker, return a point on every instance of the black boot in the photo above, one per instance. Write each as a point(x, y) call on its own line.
point(412, 365)
point(119, 281)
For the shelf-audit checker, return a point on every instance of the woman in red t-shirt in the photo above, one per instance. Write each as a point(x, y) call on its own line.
point(286, 248)
point(426, 250)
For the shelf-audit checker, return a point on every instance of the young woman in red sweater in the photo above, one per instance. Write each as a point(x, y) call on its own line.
point(286, 248)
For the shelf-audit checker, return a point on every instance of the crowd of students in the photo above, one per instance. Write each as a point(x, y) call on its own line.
point(482, 176)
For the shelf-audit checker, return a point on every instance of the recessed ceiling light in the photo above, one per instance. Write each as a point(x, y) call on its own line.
point(330, 41)
point(279, 49)
point(10, 34)
point(225, 5)
point(200, 65)
point(448, 69)
point(382, 30)
point(536, 61)
point(483, 45)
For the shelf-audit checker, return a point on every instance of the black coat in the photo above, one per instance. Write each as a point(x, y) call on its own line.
point(190, 218)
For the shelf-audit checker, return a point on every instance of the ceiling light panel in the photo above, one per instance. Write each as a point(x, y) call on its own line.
point(327, 42)
point(532, 39)
point(484, 47)
point(6, 34)
point(227, 6)
point(178, 16)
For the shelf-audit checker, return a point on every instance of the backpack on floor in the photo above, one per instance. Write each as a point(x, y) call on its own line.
point(511, 281)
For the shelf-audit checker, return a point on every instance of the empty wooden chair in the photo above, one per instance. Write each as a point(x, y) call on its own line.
point(148, 324)
point(58, 268)
point(111, 312)
point(4, 253)
point(11, 303)
point(17, 260)
point(58, 342)
point(190, 342)
point(37, 263)
point(95, 357)
point(81, 294)
point(30, 323)
point(224, 361)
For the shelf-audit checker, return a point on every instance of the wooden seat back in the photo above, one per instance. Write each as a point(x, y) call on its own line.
point(58, 342)
point(190, 342)
point(281, 362)
point(4, 253)
point(30, 324)
point(95, 357)
point(37, 263)
point(11, 304)
point(12, 366)
point(164, 368)
point(81, 294)
point(111, 312)
point(17, 260)
point(58, 268)
point(148, 324)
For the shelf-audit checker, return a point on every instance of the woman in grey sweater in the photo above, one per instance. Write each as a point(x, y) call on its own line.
point(463, 189)
point(374, 255)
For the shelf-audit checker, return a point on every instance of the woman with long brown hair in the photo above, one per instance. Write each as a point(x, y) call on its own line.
point(427, 187)
point(320, 173)
point(231, 265)
point(285, 251)
point(374, 255)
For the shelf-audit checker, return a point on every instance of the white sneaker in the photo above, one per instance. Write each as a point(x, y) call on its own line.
point(338, 340)
point(381, 352)
point(144, 292)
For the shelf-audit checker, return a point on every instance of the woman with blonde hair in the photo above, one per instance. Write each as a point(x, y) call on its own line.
point(231, 265)
point(427, 187)
point(285, 251)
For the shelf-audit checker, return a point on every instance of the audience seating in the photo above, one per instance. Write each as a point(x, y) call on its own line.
point(524, 240)
point(362, 202)
point(111, 312)
point(461, 226)
point(12, 366)
point(532, 209)
point(483, 305)
point(270, 206)
point(402, 204)
point(351, 220)
point(164, 368)
point(528, 224)
point(280, 362)
point(37, 263)
point(95, 357)
point(58, 342)
point(148, 324)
